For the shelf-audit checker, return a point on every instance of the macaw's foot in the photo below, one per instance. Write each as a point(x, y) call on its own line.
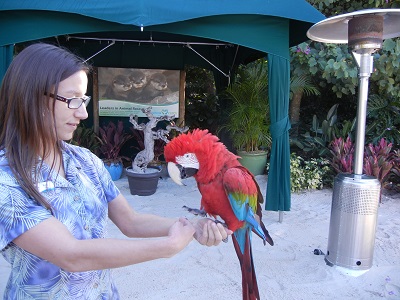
point(223, 224)
point(196, 212)
point(220, 222)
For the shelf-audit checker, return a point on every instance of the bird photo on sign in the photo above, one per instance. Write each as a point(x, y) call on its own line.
point(228, 190)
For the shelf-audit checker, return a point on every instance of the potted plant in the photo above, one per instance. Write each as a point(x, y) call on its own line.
point(159, 145)
point(112, 138)
point(142, 179)
point(248, 122)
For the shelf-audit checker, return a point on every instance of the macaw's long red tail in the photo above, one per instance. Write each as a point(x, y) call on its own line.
point(249, 280)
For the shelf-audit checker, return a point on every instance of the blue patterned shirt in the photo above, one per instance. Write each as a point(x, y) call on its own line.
point(80, 202)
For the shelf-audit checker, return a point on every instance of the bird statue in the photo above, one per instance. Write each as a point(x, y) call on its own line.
point(228, 190)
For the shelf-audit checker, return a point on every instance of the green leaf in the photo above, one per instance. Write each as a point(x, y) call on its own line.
point(389, 45)
point(332, 111)
point(320, 141)
point(314, 124)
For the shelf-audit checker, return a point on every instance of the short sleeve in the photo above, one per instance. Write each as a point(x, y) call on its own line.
point(18, 213)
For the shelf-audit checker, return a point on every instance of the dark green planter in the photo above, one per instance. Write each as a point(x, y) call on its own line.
point(255, 162)
point(143, 184)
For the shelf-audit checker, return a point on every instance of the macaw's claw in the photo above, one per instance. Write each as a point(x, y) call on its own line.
point(226, 226)
point(219, 222)
point(196, 212)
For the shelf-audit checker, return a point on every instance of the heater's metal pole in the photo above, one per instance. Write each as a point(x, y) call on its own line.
point(365, 64)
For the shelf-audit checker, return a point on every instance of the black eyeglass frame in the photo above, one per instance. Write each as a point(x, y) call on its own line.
point(85, 100)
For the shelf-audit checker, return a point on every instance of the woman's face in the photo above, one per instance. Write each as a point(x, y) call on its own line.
point(67, 119)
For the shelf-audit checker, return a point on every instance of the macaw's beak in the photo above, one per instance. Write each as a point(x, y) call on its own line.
point(177, 172)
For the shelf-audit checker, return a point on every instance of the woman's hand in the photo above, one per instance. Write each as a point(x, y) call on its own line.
point(180, 235)
point(209, 233)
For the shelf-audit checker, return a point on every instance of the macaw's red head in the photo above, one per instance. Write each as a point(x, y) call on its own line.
point(197, 153)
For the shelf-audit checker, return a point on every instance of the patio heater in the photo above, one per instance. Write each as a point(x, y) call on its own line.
point(355, 197)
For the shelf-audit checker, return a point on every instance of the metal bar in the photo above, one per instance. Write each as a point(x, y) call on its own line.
point(112, 43)
point(151, 41)
point(190, 47)
point(365, 65)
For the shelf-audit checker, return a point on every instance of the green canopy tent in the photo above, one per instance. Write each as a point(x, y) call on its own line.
point(218, 35)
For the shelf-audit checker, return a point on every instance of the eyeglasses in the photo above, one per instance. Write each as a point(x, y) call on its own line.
point(74, 102)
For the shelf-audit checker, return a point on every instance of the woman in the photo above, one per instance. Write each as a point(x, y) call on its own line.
point(56, 198)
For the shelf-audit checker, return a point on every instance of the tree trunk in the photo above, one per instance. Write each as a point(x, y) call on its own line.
point(295, 107)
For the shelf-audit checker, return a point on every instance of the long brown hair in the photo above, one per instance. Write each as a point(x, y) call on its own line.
point(27, 127)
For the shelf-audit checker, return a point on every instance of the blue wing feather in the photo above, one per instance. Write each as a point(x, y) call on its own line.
point(241, 191)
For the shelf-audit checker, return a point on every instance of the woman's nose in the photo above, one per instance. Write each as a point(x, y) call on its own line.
point(81, 112)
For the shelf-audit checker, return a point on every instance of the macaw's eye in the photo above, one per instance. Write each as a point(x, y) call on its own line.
point(188, 160)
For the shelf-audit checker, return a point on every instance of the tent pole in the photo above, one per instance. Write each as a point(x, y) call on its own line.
point(112, 43)
point(226, 75)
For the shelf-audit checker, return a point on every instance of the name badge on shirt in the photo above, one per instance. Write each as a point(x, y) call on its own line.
point(45, 186)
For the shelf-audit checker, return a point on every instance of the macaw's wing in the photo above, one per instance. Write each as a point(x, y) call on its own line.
point(241, 191)
point(244, 196)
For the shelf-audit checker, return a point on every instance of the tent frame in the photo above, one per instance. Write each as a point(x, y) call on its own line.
point(221, 36)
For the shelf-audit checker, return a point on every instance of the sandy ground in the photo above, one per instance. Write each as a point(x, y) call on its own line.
point(288, 270)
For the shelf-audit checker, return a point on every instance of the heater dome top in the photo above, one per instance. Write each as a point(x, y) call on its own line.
point(335, 29)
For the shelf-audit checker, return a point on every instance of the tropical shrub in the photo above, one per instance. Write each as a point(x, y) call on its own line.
point(383, 119)
point(249, 115)
point(85, 137)
point(378, 161)
point(342, 155)
point(112, 138)
point(394, 176)
point(334, 71)
point(315, 142)
point(345, 129)
point(378, 158)
point(202, 107)
point(309, 174)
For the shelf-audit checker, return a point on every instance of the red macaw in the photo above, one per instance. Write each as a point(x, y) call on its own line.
point(228, 190)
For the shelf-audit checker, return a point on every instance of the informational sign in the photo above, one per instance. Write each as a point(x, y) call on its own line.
point(124, 91)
